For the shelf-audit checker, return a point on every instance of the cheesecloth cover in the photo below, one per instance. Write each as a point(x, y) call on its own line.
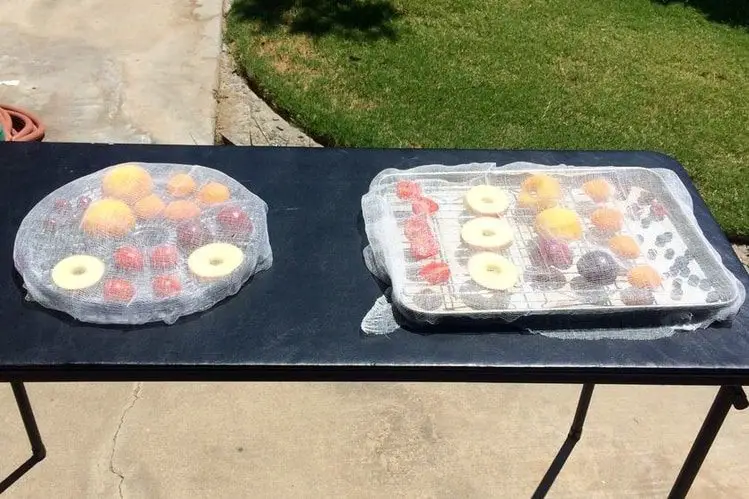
point(140, 242)
point(527, 241)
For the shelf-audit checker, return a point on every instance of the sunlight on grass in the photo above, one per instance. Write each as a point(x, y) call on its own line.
point(557, 74)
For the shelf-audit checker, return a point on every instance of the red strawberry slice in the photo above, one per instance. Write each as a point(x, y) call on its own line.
point(424, 206)
point(425, 247)
point(416, 227)
point(405, 189)
point(435, 272)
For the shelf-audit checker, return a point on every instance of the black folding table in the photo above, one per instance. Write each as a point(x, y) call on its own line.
point(300, 320)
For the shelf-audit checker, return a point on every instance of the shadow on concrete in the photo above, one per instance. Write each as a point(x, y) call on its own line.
point(731, 12)
point(361, 20)
point(576, 430)
point(38, 452)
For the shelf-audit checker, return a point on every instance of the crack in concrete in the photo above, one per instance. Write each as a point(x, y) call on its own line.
point(135, 396)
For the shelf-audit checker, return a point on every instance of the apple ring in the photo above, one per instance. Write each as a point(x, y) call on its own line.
point(215, 260)
point(492, 271)
point(487, 200)
point(487, 233)
point(77, 272)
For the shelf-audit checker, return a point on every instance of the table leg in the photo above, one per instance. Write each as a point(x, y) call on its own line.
point(38, 452)
point(573, 436)
point(727, 396)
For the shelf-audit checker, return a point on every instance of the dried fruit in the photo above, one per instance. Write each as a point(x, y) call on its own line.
point(598, 267)
point(118, 290)
point(405, 189)
point(435, 272)
point(424, 206)
point(165, 286)
point(555, 252)
point(644, 276)
point(425, 247)
point(128, 258)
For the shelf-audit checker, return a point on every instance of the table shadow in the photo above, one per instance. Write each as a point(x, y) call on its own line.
point(19, 472)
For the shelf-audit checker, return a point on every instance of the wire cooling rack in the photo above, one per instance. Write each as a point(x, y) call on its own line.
point(703, 281)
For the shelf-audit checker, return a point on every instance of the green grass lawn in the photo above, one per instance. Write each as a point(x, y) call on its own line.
point(567, 74)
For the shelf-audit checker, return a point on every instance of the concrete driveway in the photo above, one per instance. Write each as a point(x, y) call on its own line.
point(110, 71)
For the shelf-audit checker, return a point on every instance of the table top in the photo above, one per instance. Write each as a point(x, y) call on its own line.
point(300, 319)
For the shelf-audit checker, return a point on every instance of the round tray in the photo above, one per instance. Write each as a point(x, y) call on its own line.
point(53, 230)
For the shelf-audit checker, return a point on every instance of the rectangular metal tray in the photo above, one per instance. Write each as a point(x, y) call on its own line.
point(527, 297)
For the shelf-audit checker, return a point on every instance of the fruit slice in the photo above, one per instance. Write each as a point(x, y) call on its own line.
point(416, 227)
point(192, 234)
point(559, 223)
point(598, 189)
point(164, 256)
point(492, 271)
point(435, 272)
point(554, 252)
point(424, 206)
point(181, 209)
point(598, 267)
point(165, 286)
point(425, 247)
point(119, 290)
point(108, 217)
point(644, 276)
point(149, 207)
point(234, 220)
point(214, 192)
point(215, 260)
point(405, 189)
point(624, 246)
point(607, 219)
point(487, 233)
point(487, 200)
point(539, 191)
point(128, 258)
point(180, 185)
point(77, 272)
point(129, 182)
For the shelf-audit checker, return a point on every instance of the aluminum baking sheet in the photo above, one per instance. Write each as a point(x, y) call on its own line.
point(704, 280)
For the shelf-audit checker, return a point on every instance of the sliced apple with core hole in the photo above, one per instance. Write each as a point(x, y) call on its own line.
point(492, 271)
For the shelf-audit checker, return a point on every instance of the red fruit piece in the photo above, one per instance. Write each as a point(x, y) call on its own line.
point(416, 227)
point(424, 206)
point(405, 189)
point(50, 225)
point(555, 252)
point(128, 258)
point(118, 290)
point(657, 211)
point(83, 202)
point(424, 248)
point(165, 286)
point(192, 234)
point(164, 256)
point(435, 272)
point(62, 205)
point(234, 220)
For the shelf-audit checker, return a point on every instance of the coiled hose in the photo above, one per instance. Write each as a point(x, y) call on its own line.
point(19, 125)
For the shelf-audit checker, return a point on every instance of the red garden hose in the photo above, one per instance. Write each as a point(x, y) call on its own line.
point(19, 125)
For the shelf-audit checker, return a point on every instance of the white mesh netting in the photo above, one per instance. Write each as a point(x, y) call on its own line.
point(140, 242)
point(477, 241)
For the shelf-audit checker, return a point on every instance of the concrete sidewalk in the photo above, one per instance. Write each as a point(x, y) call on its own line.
point(107, 71)
point(364, 440)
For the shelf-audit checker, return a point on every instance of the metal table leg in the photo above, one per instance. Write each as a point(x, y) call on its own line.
point(573, 436)
point(38, 452)
point(727, 396)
